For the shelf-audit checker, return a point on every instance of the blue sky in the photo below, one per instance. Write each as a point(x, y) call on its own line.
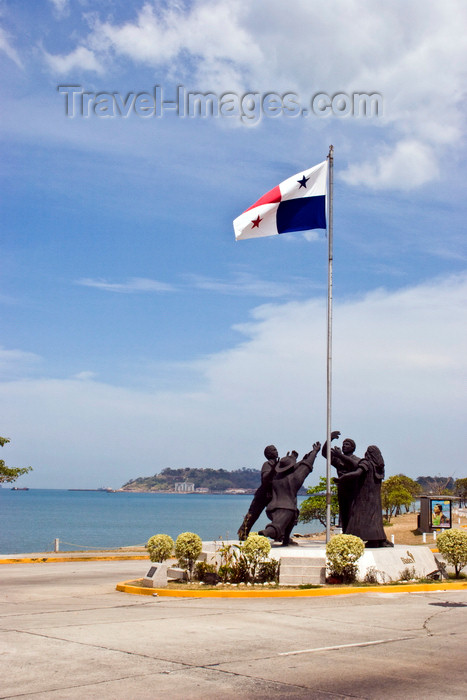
point(136, 333)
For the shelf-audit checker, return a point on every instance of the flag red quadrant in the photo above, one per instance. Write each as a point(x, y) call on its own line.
point(297, 204)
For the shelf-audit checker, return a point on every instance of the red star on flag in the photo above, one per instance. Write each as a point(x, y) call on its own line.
point(256, 222)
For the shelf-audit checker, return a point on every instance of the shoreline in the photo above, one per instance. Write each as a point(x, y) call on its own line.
point(183, 493)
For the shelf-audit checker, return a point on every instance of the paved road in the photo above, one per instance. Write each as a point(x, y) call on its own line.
point(65, 633)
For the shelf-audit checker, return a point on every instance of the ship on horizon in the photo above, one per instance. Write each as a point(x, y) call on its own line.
point(107, 489)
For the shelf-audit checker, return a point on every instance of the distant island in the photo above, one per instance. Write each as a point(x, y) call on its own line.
point(191, 480)
point(238, 481)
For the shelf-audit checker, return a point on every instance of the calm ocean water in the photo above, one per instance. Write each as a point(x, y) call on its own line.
point(31, 520)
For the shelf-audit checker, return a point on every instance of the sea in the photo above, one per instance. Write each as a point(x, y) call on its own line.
point(31, 521)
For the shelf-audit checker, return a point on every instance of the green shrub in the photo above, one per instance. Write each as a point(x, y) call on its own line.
point(206, 572)
point(343, 553)
point(268, 571)
point(187, 550)
point(229, 570)
point(234, 566)
point(255, 549)
point(374, 575)
point(408, 574)
point(228, 553)
point(225, 572)
point(239, 571)
point(256, 546)
point(452, 544)
point(371, 575)
point(248, 561)
point(160, 547)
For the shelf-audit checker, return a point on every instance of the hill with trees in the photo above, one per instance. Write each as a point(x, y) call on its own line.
point(397, 491)
point(212, 479)
point(437, 485)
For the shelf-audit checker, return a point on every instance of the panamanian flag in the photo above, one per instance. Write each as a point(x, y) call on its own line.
point(297, 204)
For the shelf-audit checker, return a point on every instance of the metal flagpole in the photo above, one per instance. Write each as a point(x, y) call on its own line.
point(329, 347)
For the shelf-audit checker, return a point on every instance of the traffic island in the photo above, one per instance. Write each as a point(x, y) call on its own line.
point(135, 587)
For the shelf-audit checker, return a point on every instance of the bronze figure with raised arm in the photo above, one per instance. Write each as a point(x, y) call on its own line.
point(263, 494)
point(344, 461)
point(282, 509)
point(366, 514)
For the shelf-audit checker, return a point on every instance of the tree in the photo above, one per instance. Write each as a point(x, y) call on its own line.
point(160, 547)
point(452, 544)
point(187, 550)
point(255, 549)
point(392, 500)
point(10, 474)
point(314, 507)
point(460, 489)
point(343, 553)
point(396, 492)
point(412, 486)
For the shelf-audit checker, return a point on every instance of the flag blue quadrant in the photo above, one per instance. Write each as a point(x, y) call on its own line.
point(301, 214)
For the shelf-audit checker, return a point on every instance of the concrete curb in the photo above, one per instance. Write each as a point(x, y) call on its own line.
point(128, 587)
point(48, 560)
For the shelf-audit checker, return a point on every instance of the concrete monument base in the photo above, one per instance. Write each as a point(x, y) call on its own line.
point(305, 563)
point(388, 564)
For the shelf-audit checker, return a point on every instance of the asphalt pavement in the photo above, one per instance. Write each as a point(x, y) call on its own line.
point(65, 632)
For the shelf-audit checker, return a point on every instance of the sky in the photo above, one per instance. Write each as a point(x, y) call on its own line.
point(136, 333)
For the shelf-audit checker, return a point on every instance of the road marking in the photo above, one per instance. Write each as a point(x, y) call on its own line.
point(344, 646)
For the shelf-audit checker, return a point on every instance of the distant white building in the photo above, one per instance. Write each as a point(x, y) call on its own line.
point(184, 486)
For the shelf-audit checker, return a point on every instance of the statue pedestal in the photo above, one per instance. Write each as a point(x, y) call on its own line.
point(305, 563)
point(396, 563)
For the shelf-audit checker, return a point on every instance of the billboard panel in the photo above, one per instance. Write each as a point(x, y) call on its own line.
point(440, 513)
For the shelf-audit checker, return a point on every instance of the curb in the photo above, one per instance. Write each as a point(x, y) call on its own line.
point(48, 560)
point(127, 587)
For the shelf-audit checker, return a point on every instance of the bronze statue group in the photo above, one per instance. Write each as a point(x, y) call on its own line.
point(358, 492)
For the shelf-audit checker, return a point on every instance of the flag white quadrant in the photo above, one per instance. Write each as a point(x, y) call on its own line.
point(245, 226)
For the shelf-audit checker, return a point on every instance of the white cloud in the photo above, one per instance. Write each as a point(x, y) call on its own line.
point(131, 286)
point(246, 284)
point(311, 236)
point(242, 284)
point(8, 49)
point(61, 7)
point(16, 363)
point(81, 59)
point(209, 32)
point(85, 375)
point(407, 165)
point(414, 56)
point(399, 375)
